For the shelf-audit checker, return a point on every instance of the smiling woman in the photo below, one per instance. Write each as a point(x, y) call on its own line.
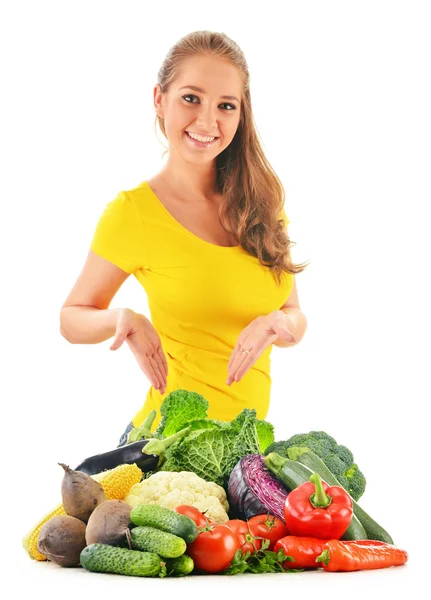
point(214, 147)
point(207, 239)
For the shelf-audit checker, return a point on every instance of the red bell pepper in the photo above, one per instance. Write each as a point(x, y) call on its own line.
point(316, 510)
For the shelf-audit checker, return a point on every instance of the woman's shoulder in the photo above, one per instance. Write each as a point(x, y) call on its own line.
point(139, 190)
point(140, 195)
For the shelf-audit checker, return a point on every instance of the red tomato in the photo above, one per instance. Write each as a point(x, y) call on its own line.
point(268, 526)
point(247, 543)
point(213, 550)
point(194, 514)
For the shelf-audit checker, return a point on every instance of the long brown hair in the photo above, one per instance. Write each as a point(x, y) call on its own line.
point(252, 194)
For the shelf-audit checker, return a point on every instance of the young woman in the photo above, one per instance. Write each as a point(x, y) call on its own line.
point(207, 239)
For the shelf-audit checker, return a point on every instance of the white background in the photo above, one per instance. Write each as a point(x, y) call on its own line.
point(341, 97)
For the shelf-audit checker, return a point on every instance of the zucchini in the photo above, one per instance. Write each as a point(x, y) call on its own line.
point(182, 565)
point(150, 539)
point(292, 474)
point(165, 519)
point(373, 530)
point(102, 558)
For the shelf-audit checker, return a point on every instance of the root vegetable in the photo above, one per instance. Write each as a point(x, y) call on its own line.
point(62, 539)
point(80, 493)
point(108, 523)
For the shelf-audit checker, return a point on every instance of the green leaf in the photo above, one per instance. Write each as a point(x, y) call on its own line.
point(263, 561)
point(201, 424)
point(265, 434)
point(237, 423)
point(238, 564)
point(179, 408)
point(205, 452)
point(246, 442)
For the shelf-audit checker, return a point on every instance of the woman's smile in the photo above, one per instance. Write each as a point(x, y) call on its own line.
point(198, 143)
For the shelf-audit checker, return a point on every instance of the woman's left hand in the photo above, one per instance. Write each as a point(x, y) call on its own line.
point(256, 337)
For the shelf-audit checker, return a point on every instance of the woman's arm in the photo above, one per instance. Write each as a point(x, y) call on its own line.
point(295, 319)
point(87, 324)
point(85, 317)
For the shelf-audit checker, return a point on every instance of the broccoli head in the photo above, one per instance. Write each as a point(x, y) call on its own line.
point(337, 458)
point(356, 481)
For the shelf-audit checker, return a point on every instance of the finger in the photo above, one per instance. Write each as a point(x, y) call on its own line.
point(161, 371)
point(147, 367)
point(157, 370)
point(233, 355)
point(241, 353)
point(249, 358)
point(121, 332)
point(239, 359)
point(240, 343)
point(118, 340)
point(163, 360)
point(156, 353)
point(244, 367)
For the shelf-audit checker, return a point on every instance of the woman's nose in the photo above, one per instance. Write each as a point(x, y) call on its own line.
point(207, 119)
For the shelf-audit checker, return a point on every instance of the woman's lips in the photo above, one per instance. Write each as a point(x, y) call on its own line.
point(200, 144)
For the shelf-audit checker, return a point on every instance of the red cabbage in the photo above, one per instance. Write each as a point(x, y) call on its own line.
point(254, 490)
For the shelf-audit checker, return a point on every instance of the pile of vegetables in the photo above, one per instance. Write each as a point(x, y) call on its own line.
point(201, 496)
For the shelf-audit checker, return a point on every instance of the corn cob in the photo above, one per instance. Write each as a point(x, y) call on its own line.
point(116, 484)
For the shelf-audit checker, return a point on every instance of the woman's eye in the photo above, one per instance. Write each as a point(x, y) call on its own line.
point(193, 96)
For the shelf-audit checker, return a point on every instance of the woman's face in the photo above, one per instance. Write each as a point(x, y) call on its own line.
point(204, 112)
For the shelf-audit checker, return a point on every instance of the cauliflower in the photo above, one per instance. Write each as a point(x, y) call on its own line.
point(171, 489)
point(212, 508)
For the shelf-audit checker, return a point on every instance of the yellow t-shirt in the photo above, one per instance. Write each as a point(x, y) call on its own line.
point(200, 296)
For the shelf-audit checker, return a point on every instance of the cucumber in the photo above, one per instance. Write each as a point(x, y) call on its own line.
point(293, 474)
point(183, 565)
point(102, 558)
point(150, 539)
point(373, 530)
point(165, 519)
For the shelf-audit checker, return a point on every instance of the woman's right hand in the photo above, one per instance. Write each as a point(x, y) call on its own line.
point(145, 343)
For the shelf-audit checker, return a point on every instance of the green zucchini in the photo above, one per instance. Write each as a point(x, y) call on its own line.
point(373, 530)
point(102, 558)
point(150, 539)
point(165, 519)
point(292, 474)
point(183, 565)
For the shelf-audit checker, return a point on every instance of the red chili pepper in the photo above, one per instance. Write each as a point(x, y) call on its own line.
point(360, 555)
point(304, 550)
point(316, 510)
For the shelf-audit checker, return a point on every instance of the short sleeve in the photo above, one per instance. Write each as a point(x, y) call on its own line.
point(119, 235)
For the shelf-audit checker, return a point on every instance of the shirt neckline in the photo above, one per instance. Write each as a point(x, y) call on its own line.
point(187, 231)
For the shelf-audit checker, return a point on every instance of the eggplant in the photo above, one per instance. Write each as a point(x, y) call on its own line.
point(128, 454)
point(148, 455)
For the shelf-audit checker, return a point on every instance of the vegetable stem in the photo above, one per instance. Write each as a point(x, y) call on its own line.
point(150, 419)
point(144, 430)
point(324, 557)
point(275, 462)
point(294, 452)
point(159, 447)
point(320, 498)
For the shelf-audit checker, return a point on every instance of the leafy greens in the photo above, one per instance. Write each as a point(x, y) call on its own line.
point(211, 448)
